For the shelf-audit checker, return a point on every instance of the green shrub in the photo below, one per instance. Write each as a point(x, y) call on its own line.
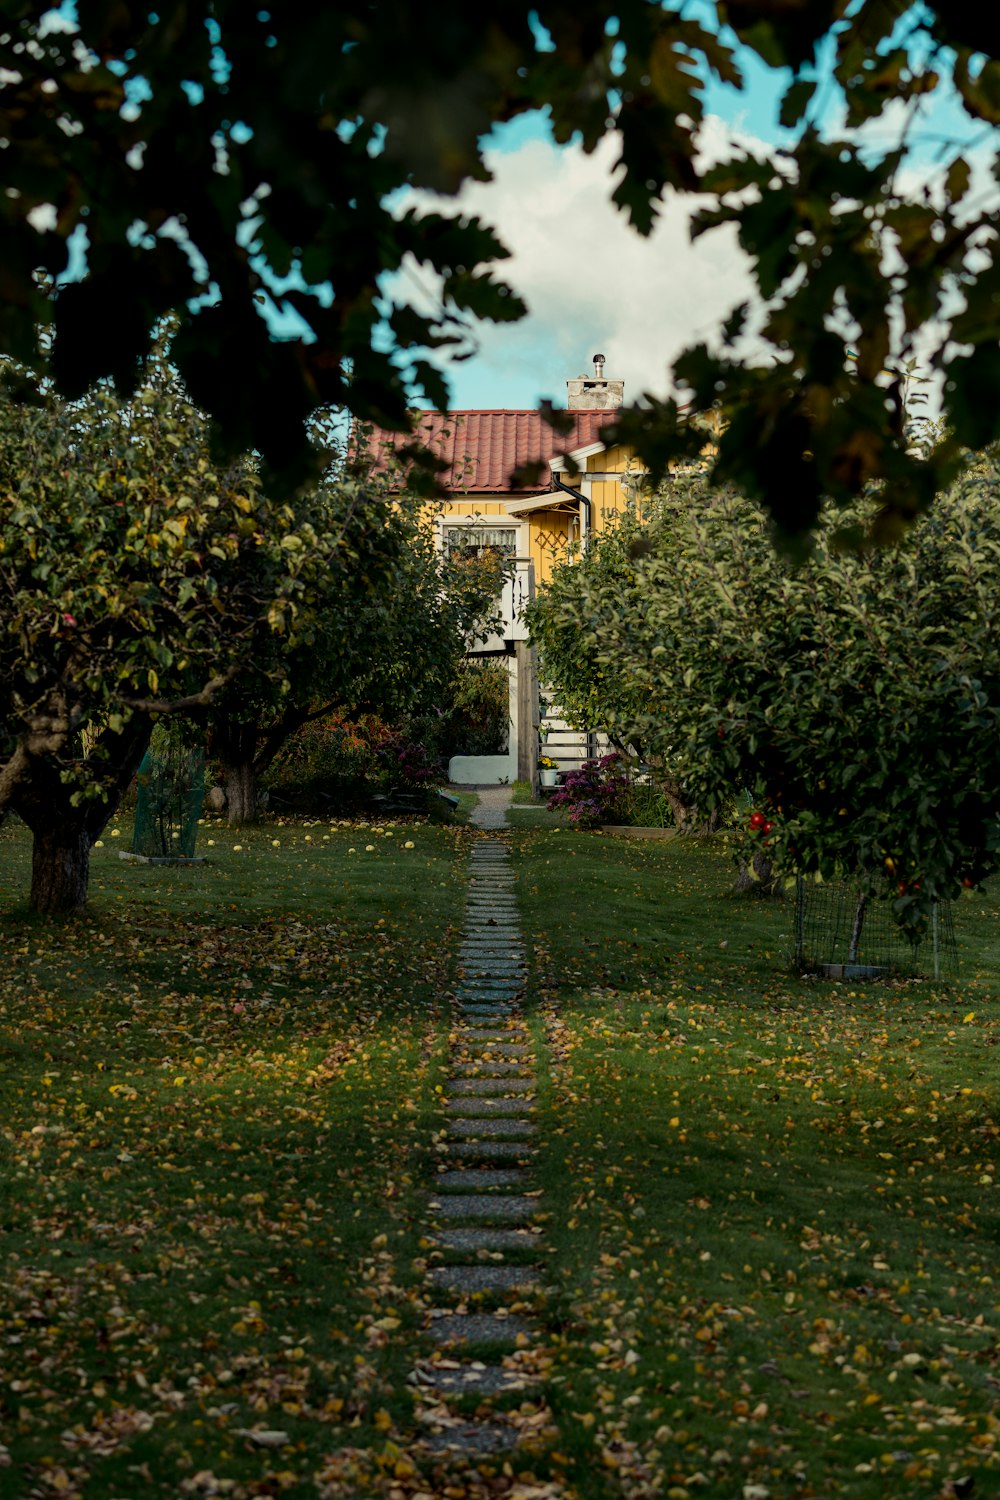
point(331, 765)
point(478, 718)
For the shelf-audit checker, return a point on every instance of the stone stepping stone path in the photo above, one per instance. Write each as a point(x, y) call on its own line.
point(477, 1150)
point(472, 1279)
point(477, 1181)
point(496, 1068)
point(484, 1269)
point(505, 1085)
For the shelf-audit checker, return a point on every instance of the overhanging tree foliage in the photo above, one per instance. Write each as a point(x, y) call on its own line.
point(857, 697)
point(136, 578)
point(219, 158)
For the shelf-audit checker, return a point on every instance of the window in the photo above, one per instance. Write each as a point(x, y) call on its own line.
point(474, 541)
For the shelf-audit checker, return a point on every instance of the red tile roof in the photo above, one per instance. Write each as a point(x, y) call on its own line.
point(483, 449)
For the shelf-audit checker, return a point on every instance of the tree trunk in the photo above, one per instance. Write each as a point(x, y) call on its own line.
point(63, 834)
point(234, 744)
point(60, 869)
point(241, 793)
point(686, 815)
point(758, 878)
point(857, 927)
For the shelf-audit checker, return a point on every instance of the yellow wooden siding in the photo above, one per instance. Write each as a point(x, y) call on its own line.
point(548, 539)
point(462, 509)
point(611, 460)
point(610, 496)
point(606, 498)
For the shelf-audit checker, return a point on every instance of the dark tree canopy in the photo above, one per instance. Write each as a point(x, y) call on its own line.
point(219, 156)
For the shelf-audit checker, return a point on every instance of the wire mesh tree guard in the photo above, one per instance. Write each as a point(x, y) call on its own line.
point(847, 930)
point(171, 790)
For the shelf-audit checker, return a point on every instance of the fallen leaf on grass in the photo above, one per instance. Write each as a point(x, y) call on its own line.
point(265, 1437)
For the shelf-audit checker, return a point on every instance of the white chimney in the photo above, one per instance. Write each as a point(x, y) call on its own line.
point(594, 394)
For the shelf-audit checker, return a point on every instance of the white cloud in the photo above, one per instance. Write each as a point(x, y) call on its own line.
point(590, 281)
point(592, 284)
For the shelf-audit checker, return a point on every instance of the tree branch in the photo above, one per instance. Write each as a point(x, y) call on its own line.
point(181, 705)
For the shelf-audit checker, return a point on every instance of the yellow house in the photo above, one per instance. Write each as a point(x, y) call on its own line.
point(515, 484)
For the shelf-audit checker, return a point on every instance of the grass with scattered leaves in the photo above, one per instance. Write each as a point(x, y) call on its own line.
point(773, 1202)
point(770, 1202)
point(217, 1100)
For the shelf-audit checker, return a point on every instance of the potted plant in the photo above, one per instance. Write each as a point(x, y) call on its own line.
point(548, 770)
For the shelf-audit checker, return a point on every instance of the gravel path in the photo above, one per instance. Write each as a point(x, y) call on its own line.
point(491, 809)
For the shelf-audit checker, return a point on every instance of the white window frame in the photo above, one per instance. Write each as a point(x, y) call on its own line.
point(484, 523)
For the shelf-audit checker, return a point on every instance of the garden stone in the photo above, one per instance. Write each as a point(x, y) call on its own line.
point(491, 1086)
point(496, 1002)
point(495, 1069)
point(479, 944)
point(492, 971)
point(499, 1041)
point(489, 979)
point(494, 957)
point(512, 1209)
point(481, 1178)
point(504, 1009)
point(467, 1128)
point(489, 994)
point(493, 1034)
point(473, 1280)
point(483, 1047)
point(482, 989)
point(474, 1107)
point(479, 1379)
point(478, 1328)
point(500, 1051)
point(477, 941)
point(468, 1239)
point(473, 1150)
point(493, 962)
point(474, 990)
point(485, 1012)
point(477, 1439)
point(482, 1041)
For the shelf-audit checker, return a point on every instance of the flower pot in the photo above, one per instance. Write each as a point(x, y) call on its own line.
point(548, 777)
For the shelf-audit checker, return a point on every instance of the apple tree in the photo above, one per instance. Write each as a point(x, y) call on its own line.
point(857, 695)
point(137, 577)
point(383, 626)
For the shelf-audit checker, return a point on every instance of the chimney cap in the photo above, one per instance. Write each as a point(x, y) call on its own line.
point(598, 365)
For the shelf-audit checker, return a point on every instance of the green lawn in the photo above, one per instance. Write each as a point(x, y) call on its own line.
point(773, 1201)
point(217, 1094)
point(771, 1213)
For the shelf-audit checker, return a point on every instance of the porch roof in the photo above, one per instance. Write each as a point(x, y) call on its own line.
point(548, 500)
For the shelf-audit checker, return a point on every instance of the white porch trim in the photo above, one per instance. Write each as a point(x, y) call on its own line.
point(550, 500)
